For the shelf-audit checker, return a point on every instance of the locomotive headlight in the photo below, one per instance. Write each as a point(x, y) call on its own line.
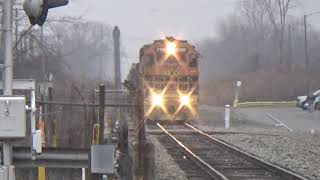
point(171, 48)
point(185, 100)
point(157, 100)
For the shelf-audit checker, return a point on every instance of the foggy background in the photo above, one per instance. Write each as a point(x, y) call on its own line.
point(145, 20)
point(234, 43)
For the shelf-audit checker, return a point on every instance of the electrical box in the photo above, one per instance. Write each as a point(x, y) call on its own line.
point(102, 159)
point(12, 117)
point(36, 143)
point(3, 172)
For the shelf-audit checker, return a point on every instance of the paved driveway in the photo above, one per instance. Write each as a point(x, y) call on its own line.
point(294, 118)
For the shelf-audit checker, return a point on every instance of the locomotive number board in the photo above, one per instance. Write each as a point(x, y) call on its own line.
point(179, 49)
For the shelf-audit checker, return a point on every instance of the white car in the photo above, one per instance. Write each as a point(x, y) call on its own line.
point(302, 101)
point(316, 104)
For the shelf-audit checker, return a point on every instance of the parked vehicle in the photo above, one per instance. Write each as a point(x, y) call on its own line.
point(305, 101)
point(301, 100)
point(316, 104)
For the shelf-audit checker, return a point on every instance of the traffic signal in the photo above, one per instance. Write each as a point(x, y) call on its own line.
point(37, 10)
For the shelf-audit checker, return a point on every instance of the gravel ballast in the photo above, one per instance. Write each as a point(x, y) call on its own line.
point(165, 167)
point(298, 151)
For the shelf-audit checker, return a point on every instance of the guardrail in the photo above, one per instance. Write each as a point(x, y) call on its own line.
point(266, 104)
point(51, 158)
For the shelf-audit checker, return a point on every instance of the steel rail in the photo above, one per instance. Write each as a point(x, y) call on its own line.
point(190, 132)
point(284, 173)
point(196, 159)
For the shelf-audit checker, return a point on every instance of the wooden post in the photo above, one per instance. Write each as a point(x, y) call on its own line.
point(101, 113)
point(149, 161)
point(141, 134)
point(227, 117)
point(101, 124)
point(50, 118)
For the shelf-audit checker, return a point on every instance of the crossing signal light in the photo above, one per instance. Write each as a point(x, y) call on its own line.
point(37, 10)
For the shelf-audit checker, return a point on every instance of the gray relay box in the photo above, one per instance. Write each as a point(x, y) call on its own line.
point(12, 117)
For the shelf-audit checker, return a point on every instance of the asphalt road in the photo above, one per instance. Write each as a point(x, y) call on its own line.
point(294, 118)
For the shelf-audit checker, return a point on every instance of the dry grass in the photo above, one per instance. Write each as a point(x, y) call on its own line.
point(276, 84)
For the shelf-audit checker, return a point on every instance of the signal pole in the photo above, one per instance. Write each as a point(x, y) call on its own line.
point(2, 38)
point(8, 76)
point(16, 26)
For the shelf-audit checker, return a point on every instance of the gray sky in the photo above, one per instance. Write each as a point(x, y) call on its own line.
point(142, 21)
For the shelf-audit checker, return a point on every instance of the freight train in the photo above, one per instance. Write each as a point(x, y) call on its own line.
point(168, 72)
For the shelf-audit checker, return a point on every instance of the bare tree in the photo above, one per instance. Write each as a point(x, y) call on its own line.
point(278, 11)
point(255, 15)
point(86, 47)
point(257, 18)
point(252, 36)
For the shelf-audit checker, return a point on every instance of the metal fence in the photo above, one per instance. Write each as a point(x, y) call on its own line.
point(70, 125)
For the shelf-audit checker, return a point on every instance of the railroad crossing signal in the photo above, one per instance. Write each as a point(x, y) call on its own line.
point(37, 10)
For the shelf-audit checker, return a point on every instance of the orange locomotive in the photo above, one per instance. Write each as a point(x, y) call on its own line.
point(169, 70)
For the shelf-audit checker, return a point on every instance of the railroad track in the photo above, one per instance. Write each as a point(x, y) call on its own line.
point(153, 129)
point(202, 156)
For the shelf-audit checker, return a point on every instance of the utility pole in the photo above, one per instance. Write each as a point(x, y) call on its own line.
point(306, 52)
point(306, 47)
point(117, 76)
point(8, 76)
point(2, 37)
point(16, 30)
point(290, 46)
point(306, 44)
point(117, 63)
point(101, 68)
point(16, 25)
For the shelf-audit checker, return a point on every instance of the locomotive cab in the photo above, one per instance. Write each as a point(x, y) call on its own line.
point(170, 73)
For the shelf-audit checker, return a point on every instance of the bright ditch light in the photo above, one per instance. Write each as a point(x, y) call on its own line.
point(157, 100)
point(171, 48)
point(185, 100)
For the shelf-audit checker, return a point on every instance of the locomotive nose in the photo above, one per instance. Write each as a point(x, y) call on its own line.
point(172, 109)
